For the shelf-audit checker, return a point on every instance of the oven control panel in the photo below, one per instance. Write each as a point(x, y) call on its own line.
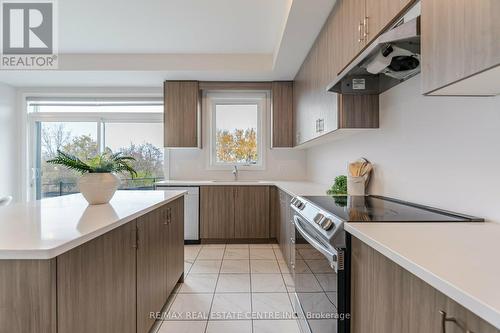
point(325, 223)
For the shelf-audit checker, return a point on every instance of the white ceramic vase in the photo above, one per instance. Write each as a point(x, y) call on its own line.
point(98, 188)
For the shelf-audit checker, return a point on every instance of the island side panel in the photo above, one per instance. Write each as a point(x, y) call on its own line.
point(96, 289)
point(28, 296)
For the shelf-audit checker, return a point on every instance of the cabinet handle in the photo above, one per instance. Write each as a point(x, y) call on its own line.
point(365, 23)
point(445, 319)
point(360, 31)
point(164, 216)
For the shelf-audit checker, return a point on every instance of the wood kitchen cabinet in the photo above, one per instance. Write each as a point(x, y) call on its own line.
point(352, 15)
point(316, 111)
point(96, 285)
point(286, 229)
point(235, 212)
point(152, 264)
point(182, 114)
point(217, 212)
point(251, 212)
point(356, 23)
point(380, 15)
point(33, 308)
point(175, 243)
point(387, 298)
point(351, 26)
point(460, 47)
point(282, 114)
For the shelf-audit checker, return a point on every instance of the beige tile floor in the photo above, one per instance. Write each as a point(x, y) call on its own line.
point(231, 288)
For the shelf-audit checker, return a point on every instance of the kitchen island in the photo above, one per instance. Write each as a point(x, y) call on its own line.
point(66, 266)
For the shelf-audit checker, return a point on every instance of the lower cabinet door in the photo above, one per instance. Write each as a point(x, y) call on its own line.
point(251, 212)
point(387, 298)
point(217, 212)
point(175, 243)
point(152, 246)
point(96, 284)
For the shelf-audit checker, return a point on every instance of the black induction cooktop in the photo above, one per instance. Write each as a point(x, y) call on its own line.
point(382, 209)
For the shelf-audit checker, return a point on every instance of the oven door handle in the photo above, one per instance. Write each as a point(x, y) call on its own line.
point(330, 254)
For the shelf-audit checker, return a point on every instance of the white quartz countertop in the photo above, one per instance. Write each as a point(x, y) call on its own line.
point(46, 228)
point(291, 187)
point(462, 260)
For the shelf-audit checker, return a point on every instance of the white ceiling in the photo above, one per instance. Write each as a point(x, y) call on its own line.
point(142, 43)
point(170, 26)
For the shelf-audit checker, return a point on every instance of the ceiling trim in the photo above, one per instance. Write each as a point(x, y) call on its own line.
point(164, 62)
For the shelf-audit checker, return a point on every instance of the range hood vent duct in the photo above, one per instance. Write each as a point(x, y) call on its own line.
point(391, 59)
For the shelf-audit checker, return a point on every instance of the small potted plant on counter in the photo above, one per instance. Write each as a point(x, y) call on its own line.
point(339, 190)
point(98, 183)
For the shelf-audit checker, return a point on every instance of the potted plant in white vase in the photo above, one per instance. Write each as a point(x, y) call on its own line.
point(99, 182)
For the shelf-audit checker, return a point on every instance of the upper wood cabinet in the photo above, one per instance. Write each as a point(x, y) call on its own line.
point(352, 14)
point(359, 22)
point(460, 47)
point(351, 26)
point(182, 114)
point(282, 114)
point(251, 212)
point(380, 14)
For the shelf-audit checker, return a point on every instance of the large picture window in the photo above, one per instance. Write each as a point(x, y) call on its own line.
point(85, 127)
point(236, 130)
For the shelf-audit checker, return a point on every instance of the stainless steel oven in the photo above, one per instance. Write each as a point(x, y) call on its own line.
point(321, 260)
point(321, 279)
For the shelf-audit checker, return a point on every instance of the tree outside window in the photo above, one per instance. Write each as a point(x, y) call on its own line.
point(236, 134)
point(80, 139)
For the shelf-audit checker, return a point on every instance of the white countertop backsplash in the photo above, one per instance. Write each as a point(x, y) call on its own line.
point(46, 228)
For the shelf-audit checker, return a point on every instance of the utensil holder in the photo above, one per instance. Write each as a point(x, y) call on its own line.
point(356, 185)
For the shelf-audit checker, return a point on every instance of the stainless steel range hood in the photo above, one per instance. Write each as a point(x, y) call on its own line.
point(389, 60)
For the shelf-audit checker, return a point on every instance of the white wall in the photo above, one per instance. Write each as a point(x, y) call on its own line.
point(439, 151)
point(280, 164)
point(190, 164)
point(9, 166)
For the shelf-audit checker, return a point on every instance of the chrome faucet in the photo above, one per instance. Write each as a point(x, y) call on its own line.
point(235, 172)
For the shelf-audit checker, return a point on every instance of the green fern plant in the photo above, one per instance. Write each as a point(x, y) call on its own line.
point(339, 187)
point(102, 163)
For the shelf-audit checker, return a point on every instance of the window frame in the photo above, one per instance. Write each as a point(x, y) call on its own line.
point(100, 118)
point(236, 98)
